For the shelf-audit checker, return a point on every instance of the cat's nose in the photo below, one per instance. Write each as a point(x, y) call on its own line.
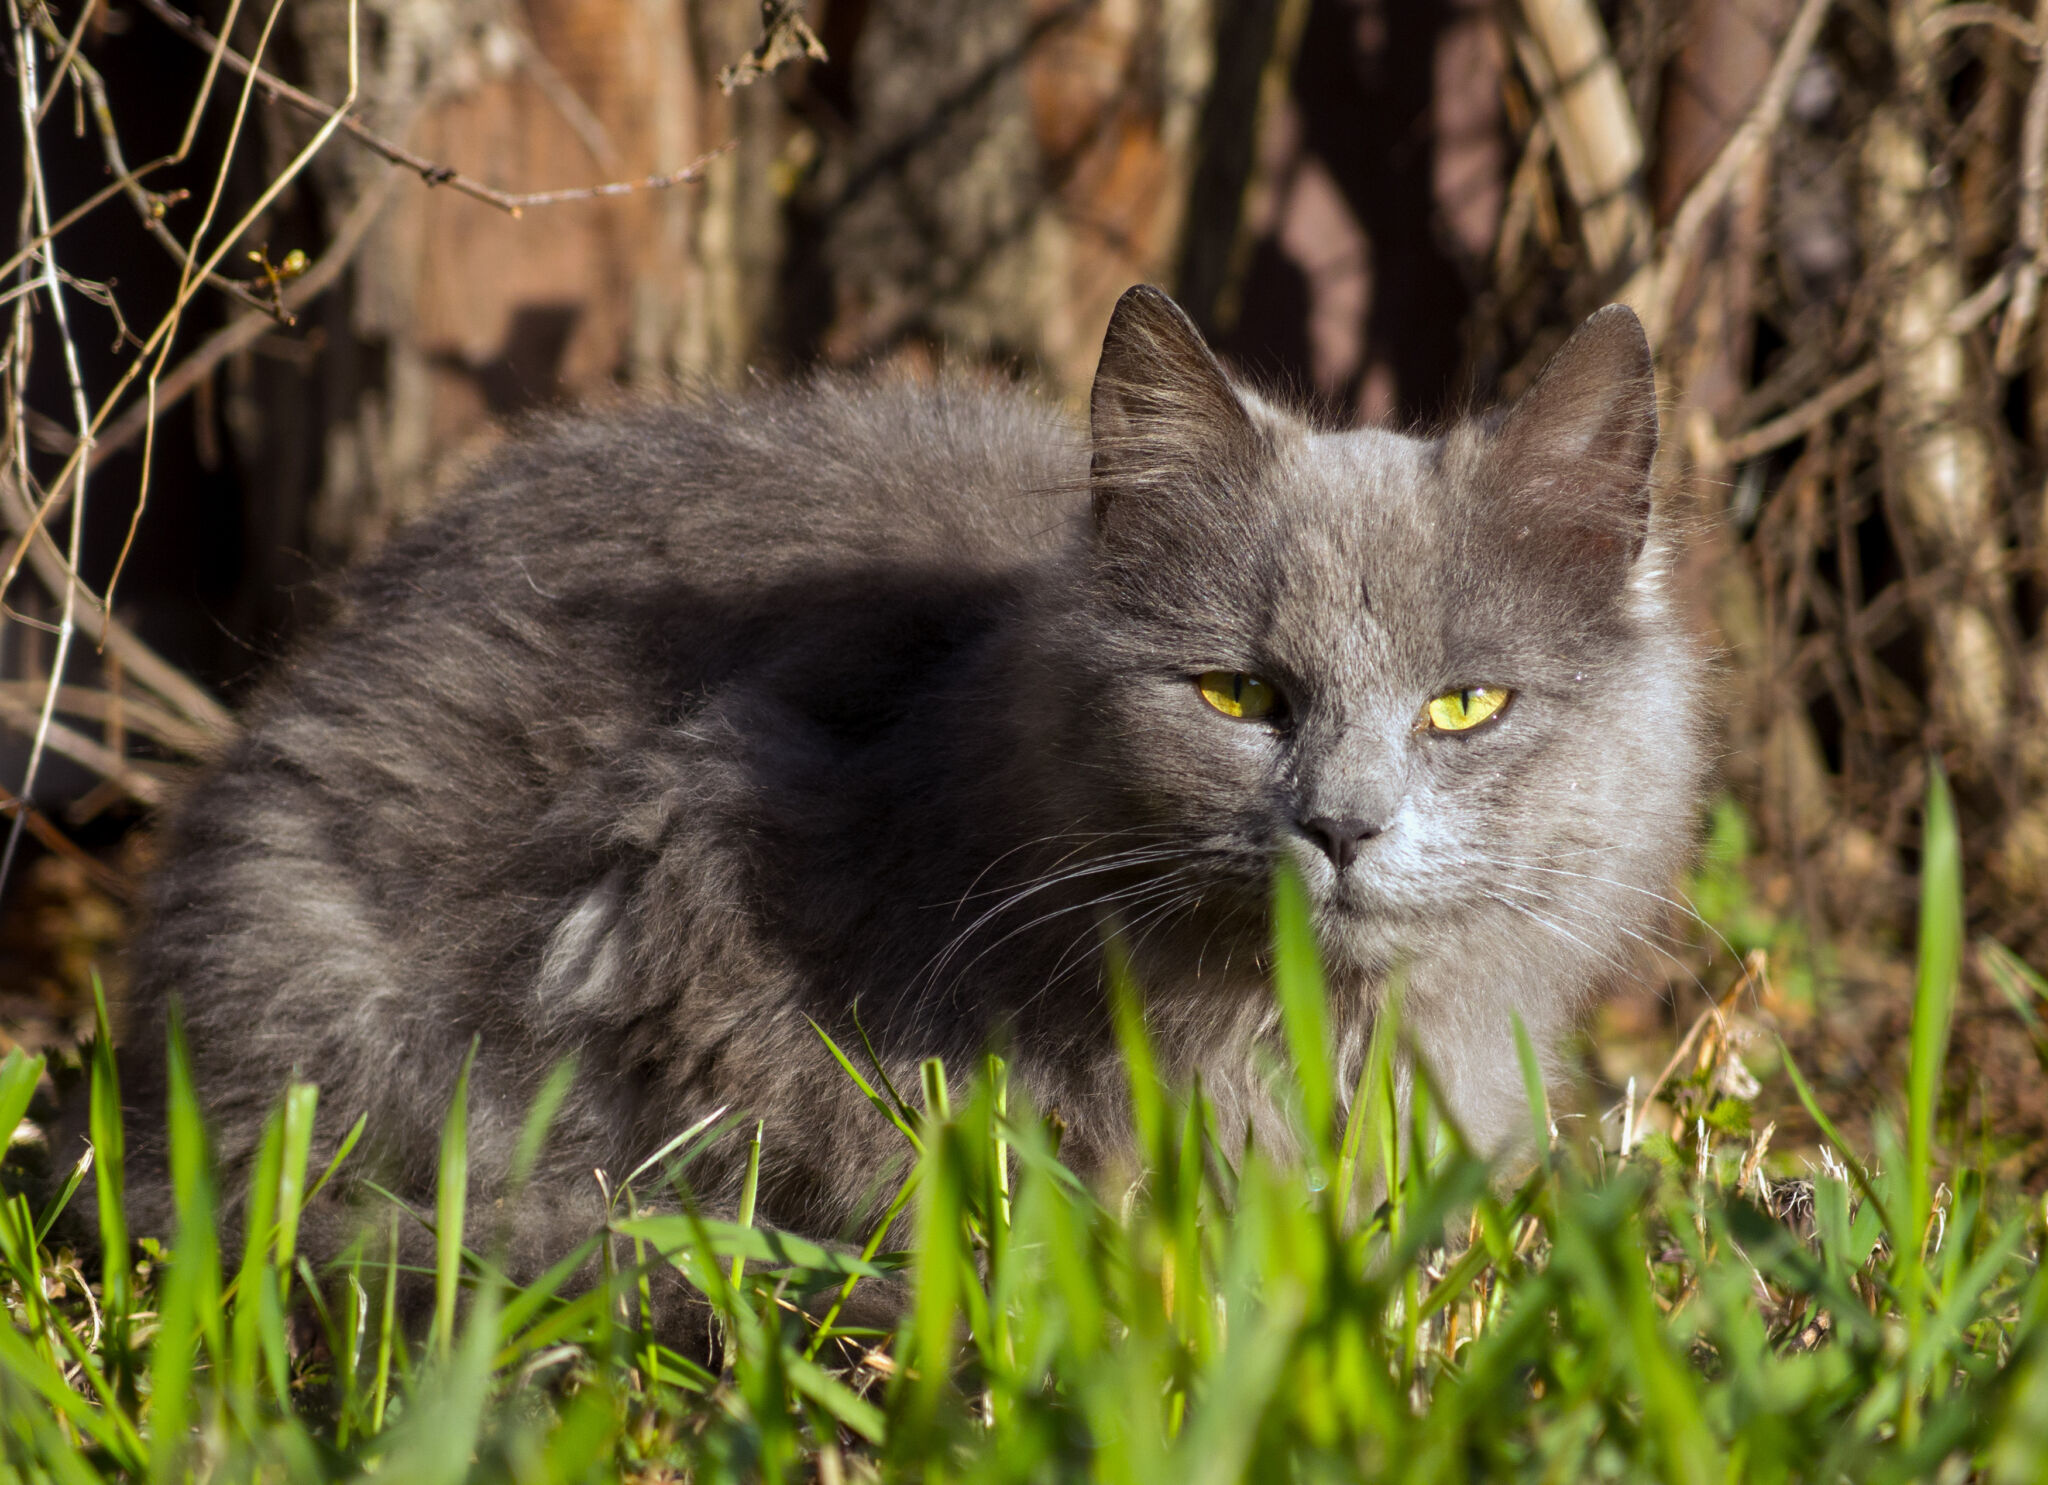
point(1341, 836)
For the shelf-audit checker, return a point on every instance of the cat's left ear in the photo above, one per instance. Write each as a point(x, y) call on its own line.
point(1163, 416)
point(1580, 443)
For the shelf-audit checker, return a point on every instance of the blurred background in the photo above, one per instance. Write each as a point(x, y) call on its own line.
point(287, 330)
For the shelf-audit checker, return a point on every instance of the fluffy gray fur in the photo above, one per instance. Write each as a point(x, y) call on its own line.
point(685, 727)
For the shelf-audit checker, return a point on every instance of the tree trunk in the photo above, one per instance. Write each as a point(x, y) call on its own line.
point(456, 314)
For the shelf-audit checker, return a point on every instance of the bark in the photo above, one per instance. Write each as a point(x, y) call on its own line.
point(1014, 166)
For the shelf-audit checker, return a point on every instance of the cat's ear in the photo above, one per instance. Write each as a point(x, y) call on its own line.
point(1580, 443)
point(1162, 413)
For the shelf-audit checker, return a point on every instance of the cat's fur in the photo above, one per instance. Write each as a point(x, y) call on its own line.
point(687, 726)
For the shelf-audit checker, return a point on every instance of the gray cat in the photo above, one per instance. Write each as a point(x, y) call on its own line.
point(686, 727)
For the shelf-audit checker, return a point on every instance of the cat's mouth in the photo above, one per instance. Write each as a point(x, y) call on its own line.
point(1352, 895)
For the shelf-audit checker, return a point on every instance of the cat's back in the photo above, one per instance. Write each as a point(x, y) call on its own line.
point(731, 492)
point(604, 573)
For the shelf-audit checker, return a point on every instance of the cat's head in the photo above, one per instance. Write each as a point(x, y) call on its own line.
point(1440, 676)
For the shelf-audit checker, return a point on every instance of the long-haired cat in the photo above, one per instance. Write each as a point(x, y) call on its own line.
point(688, 726)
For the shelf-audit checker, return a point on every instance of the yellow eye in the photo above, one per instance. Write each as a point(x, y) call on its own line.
point(1236, 694)
point(1464, 709)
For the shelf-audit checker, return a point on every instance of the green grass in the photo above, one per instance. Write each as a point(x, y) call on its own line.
point(1389, 1307)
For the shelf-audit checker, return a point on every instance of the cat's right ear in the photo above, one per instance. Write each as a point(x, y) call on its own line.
point(1162, 416)
point(1579, 445)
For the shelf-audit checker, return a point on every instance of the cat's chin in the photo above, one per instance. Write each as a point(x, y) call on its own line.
point(1363, 933)
point(1363, 939)
point(1347, 959)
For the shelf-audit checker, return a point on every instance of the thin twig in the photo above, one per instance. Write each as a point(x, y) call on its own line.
point(689, 175)
point(332, 120)
point(239, 333)
point(70, 55)
point(158, 344)
point(118, 186)
point(1806, 417)
point(430, 171)
point(102, 294)
point(149, 207)
point(246, 329)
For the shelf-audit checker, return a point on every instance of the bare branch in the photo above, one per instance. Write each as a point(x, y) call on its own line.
point(157, 348)
point(1803, 419)
point(144, 666)
point(66, 742)
point(149, 206)
point(121, 713)
point(690, 174)
point(1861, 382)
point(1649, 291)
point(69, 56)
point(36, 217)
point(167, 330)
point(568, 103)
point(432, 172)
point(1598, 139)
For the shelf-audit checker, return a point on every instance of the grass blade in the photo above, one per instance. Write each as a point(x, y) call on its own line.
point(672, 1233)
point(301, 1103)
point(18, 1077)
point(1127, 1010)
point(1934, 994)
point(188, 1302)
point(341, 1153)
point(2020, 983)
point(1532, 1084)
point(450, 1196)
point(750, 1190)
point(891, 1108)
point(670, 1146)
point(1304, 1016)
point(109, 1151)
